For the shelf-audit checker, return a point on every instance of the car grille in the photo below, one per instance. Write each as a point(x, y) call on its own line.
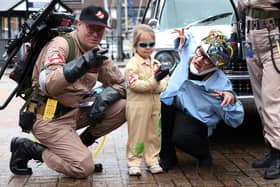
point(242, 87)
point(237, 66)
point(237, 72)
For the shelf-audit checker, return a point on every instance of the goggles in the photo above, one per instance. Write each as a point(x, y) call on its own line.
point(146, 44)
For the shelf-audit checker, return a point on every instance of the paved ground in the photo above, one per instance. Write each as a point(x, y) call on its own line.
point(232, 160)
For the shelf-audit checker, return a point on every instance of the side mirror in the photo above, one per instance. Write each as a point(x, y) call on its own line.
point(153, 23)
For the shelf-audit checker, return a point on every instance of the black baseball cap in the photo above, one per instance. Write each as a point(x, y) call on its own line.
point(95, 15)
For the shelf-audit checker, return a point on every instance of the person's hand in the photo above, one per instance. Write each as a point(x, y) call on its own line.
point(228, 97)
point(181, 36)
point(77, 67)
point(94, 58)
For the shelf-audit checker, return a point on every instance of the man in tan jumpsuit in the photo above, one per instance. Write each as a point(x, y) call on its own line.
point(262, 19)
point(66, 87)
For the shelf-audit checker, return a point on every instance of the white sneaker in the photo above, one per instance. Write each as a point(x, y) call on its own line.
point(155, 169)
point(134, 171)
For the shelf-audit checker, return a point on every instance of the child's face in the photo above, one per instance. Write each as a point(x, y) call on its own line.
point(145, 46)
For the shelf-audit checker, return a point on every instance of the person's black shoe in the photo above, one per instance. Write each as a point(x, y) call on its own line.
point(98, 167)
point(169, 163)
point(263, 163)
point(205, 162)
point(23, 150)
point(273, 171)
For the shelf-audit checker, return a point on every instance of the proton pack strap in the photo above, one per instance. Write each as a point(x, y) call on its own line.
point(72, 46)
point(54, 111)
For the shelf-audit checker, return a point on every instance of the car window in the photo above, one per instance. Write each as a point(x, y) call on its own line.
point(179, 13)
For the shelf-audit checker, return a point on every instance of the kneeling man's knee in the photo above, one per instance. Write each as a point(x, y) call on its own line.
point(83, 168)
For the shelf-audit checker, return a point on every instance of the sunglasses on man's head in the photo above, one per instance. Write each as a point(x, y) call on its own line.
point(94, 28)
point(146, 44)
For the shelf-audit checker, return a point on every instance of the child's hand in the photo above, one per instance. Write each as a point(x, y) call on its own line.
point(228, 97)
point(181, 37)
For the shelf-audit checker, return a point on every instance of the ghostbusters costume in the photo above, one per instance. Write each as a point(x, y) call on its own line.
point(261, 29)
point(66, 105)
point(143, 111)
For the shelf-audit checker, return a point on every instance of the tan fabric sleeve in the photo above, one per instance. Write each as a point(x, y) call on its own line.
point(110, 75)
point(55, 81)
point(134, 82)
point(162, 86)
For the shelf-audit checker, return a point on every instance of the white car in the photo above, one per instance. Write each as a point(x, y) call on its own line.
point(198, 17)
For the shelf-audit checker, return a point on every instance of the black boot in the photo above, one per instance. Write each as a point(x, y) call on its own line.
point(168, 163)
point(87, 138)
point(263, 163)
point(273, 171)
point(23, 150)
point(205, 162)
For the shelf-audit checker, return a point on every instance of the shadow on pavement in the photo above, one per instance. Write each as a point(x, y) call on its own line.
point(250, 132)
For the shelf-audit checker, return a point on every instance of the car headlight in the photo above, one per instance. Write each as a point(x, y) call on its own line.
point(168, 56)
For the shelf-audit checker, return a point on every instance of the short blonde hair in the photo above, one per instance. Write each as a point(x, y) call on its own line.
point(141, 30)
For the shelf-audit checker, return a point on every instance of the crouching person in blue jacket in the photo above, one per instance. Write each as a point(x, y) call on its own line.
point(198, 97)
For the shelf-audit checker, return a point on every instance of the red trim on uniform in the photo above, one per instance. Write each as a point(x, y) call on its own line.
point(132, 78)
point(56, 59)
point(93, 70)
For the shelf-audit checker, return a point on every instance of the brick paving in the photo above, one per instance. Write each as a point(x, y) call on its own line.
point(232, 161)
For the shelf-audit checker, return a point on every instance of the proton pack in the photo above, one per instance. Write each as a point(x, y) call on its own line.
point(37, 30)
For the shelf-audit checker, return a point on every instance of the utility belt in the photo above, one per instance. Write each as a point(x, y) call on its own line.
point(269, 23)
point(52, 109)
point(47, 107)
point(269, 20)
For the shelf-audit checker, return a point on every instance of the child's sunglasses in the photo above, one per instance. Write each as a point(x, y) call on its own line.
point(146, 44)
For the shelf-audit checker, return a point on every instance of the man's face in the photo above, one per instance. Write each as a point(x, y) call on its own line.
point(89, 35)
point(200, 61)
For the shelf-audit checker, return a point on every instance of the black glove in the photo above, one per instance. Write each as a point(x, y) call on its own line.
point(79, 66)
point(163, 71)
point(94, 58)
point(101, 103)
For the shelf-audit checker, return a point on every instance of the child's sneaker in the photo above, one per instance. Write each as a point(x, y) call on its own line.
point(155, 169)
point(134, 171)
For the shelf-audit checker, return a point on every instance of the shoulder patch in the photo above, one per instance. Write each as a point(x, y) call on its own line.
point(56, 58)
point(132, 78)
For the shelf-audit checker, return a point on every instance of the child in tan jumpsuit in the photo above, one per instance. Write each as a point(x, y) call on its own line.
point(143, 104)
